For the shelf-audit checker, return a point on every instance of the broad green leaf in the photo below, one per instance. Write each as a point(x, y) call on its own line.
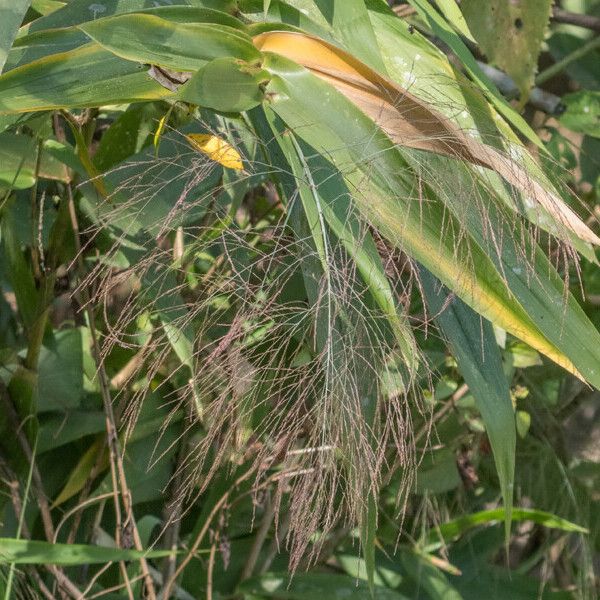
point(473, 344)
point(308, 586)
point(180, 46)
point(30, 552)
point(45, 43)
point(11, 16)
point(387, 571)
point(437, 473)
point(510, 35)
point(18, 162)
point(87, 76)
point(453, 529)
point(65, 154)
point(226, 85)
point(583, 112)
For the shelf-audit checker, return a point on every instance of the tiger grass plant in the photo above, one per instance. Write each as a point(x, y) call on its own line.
point(294, 198)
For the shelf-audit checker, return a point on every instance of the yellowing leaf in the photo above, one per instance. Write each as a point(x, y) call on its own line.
point(411, 122)
point(159, 130)
point(216, 149)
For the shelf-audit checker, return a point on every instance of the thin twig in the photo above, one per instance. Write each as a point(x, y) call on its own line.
point(539, 98)
point(78, 508)
point(114, 588)
point(561, 65)
point(570, 18)
point(132, 366)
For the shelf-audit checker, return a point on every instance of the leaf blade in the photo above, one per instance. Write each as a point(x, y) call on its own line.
point(12, 13)
point(473, 344)
point(32, 552)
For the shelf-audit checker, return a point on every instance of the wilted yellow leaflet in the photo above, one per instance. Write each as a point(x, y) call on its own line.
point(216, 149)
point(409, 121)
point(159, 130)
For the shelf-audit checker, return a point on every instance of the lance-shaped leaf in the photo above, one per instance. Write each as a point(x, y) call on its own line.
point(327, 203)
point(32, 552)
point(350, 22)
point(384, 190)
point(308, 586)
point(451, 530)
point(87, 76)
point(40, 42)
point(473, 344)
